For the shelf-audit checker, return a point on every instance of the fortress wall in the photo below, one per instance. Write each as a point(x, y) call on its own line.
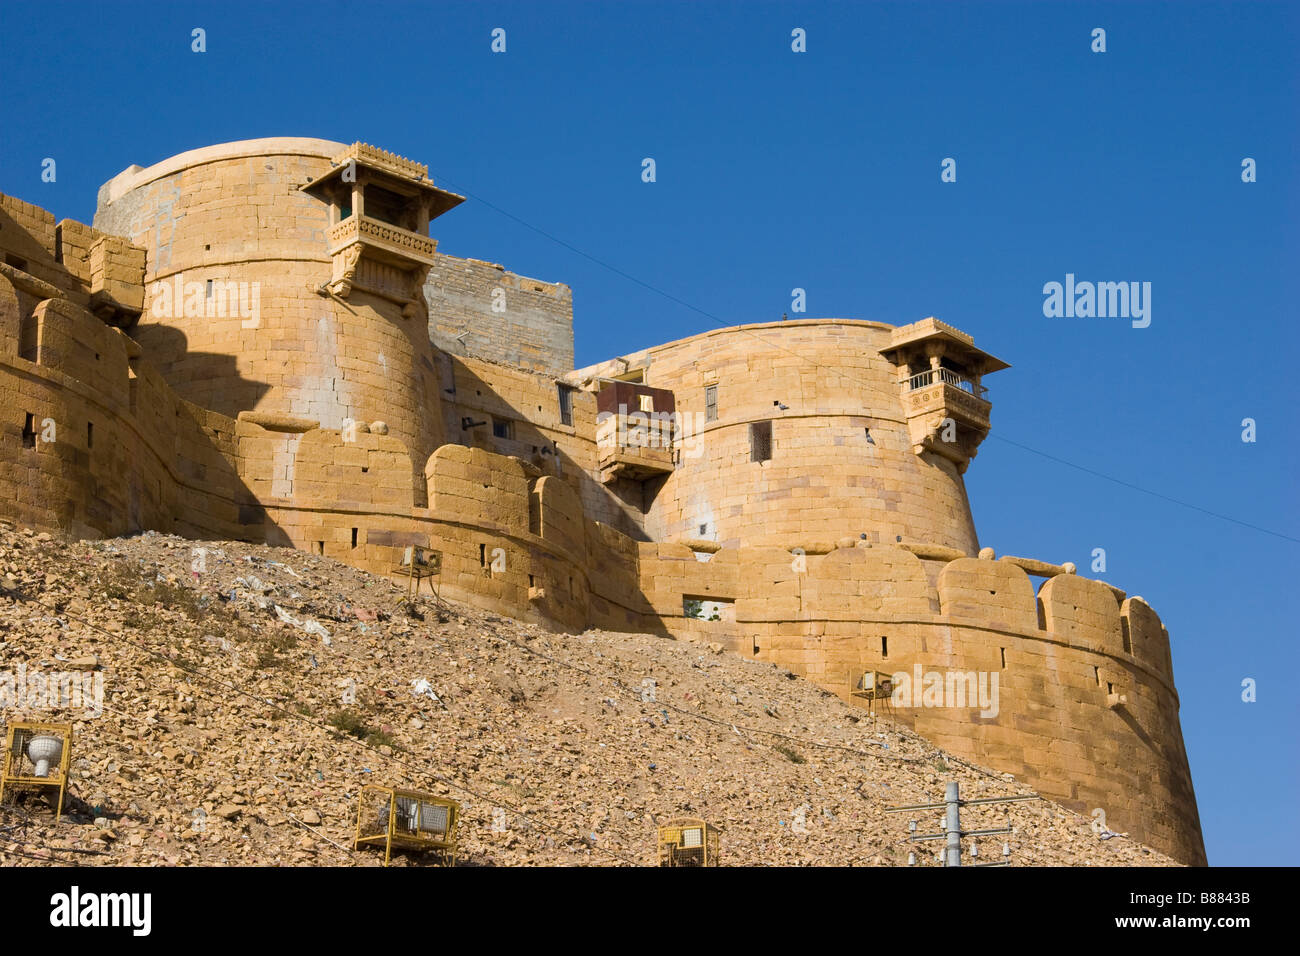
point(992, 591)
point(124, 455)
point(530, 327)
point(71, 260)
point(1055, 724)
point(616, 601)
point(529, 401)
point(488, 506)
point(61, 335)
point(27, 233)
point(836, 385)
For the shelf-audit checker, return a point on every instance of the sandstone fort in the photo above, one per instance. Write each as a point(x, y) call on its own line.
point(260, 341)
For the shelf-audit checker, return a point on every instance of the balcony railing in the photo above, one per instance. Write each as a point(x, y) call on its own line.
point(948, 377)
point(373, 231)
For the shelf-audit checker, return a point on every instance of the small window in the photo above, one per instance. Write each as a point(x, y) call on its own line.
point(1128, 641)
point(17, 263)
point(209, 289)
point(566, 405)
point(760, 441)
point(711, 403)
point(884, 646)
point(90, 435)
point(354, 537)
point(320, 547)
point(501, 429)
point(482, 555)
point(647, 403)
point(1004, 656)
point(29, 431)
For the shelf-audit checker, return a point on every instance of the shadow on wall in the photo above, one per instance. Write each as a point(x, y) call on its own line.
point(503, 415)
point(207, 379)
point(96, 442)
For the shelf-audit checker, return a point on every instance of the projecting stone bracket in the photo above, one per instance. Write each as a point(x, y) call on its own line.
point(382, 269)
point(950, 436)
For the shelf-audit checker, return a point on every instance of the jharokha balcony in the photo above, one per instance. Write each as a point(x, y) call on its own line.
point(634, 431)
point(380, 207)
point(944, 388)
point(939, 380)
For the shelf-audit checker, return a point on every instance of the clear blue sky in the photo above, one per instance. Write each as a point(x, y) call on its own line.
point(821, 170)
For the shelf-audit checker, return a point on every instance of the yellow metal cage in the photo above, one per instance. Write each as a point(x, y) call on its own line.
point(688, 841)
point(407, 820)
point(36, 761)
point(417, 564)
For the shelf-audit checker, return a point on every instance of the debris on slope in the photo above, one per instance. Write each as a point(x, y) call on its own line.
point(249, 692)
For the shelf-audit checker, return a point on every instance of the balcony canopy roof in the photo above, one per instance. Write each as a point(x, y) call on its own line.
point(394, 173)
point(956, 344)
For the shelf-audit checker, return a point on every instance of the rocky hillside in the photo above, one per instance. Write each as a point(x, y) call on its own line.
point(250, 691)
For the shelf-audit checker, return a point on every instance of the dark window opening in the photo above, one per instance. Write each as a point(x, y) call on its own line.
point(1128, 641)
point(1004, 656)
point(530, 580)
point(354, 537)
point(482, 555)
point(1096, 675)
point(17, 263)
point(29, 431)
point(500, 429)
point(760, 441)
point(90, 435)
point(386, 206)
point(365, 470)
point(320, 547)
point(566, 405)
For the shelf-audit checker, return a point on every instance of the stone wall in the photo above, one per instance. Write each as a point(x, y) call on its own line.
point(479, 309)
point(1084, 706)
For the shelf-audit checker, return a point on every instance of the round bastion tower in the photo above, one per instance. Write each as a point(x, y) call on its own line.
point(284, 281)
point(804, 433)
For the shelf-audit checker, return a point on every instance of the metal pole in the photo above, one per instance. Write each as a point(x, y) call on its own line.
point(952, 824)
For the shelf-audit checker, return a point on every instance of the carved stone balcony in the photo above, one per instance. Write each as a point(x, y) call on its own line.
point(943, 390)
point(633, 446)
point(380, 208)
point(945, 405)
